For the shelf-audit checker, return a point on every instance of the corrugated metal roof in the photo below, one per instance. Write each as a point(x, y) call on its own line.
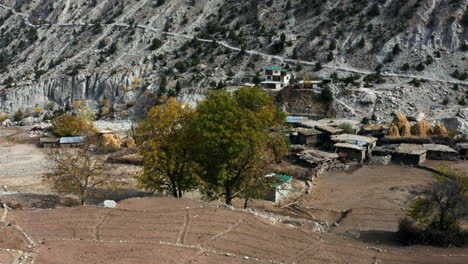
point(295, 119)
point(71, 140)
point(280, 178)
point(354, 139)
point(348, 145)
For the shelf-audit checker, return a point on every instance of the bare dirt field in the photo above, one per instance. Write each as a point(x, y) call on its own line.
point(21, 167)
point(165, 230)
point(376, 196)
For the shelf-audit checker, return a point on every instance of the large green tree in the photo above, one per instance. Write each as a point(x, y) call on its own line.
point(166, 140)
point(235, 145)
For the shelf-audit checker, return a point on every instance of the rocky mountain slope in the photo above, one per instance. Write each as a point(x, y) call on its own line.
point(54, 52)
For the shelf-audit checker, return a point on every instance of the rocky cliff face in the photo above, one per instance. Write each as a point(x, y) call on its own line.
point(126, 50)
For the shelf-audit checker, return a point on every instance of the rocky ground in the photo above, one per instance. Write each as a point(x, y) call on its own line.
point(62, 51)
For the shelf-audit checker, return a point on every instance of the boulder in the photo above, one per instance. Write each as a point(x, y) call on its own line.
point(7, 123)
point(456, 123)
point(28, 121)
point(368, 98)
point(463, 113)
point(110, 204)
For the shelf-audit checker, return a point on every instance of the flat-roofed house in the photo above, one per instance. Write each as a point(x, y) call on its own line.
point(49, 142)
point(71, 142)
point(353, 146)
point(276, 78)
point(440, 152)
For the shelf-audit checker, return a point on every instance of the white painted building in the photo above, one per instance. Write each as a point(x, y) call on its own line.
point(276, 78)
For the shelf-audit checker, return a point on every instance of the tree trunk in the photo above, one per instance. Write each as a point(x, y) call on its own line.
point(246, 202)
point(441, 220)
point(180, 193)
point(83, 200)
point(228, 194)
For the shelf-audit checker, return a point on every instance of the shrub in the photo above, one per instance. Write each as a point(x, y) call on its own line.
point(409, 233)
point(365, 121)
point(19, 115)
point(445, 101)
point(458, 75)
point(405, 67)
point(4, 117)
point(326, 95)
point(155, 44)
point(347, 128)
point(318, 66)
point(374, 11)
point(420, 67)
point(415, 82)
point(396, 49)
point(362, 43)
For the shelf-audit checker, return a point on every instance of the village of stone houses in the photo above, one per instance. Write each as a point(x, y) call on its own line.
point(340, 189)
point(222, 131)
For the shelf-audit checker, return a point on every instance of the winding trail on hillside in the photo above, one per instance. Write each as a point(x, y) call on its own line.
point(250, 52)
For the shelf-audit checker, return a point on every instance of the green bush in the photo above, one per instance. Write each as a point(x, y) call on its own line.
point(347, 128)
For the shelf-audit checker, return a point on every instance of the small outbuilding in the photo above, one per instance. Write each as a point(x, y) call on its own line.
point(49, 142)
point(279, 189)
point(307, 137)
point(314, 157)
point(351, 151)
point(71, 142)
point(410, 154)
point(440, 152)
point(354, 147)
point(328, 132)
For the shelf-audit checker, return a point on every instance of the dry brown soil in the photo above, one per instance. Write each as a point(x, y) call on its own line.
point(165, 230)
point(375, 195)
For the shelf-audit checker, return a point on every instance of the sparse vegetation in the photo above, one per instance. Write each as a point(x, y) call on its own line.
point(437, 210)
point(347, 128)
point(76, 171)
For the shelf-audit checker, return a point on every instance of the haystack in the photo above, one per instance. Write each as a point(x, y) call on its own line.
point(405, 130)
point(129, 142)
point(401, 123)
point(440, 130)
point(421, 129)
point(393, 131)
point(111, 142)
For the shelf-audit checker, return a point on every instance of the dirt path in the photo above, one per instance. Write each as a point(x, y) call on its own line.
point(21, 166)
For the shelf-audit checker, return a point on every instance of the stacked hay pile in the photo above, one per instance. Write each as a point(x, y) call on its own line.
point(421, 129)
point(440, 130)
point(400, 126)
point(111, 142)
point(393, 131)
point(129, 142)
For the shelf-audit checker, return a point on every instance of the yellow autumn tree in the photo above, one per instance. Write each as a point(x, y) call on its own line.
point(166, 140)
